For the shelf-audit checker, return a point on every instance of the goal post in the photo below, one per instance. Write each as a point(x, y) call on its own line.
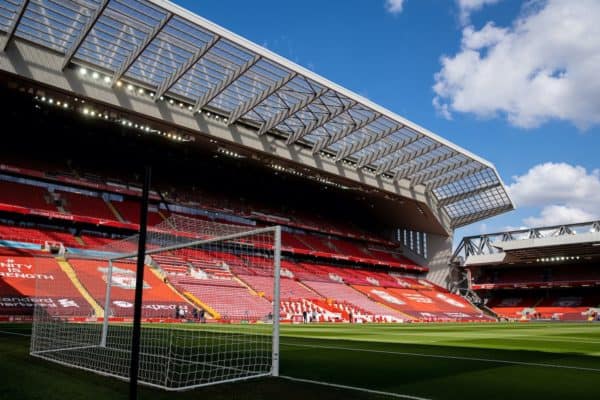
point(210, 307)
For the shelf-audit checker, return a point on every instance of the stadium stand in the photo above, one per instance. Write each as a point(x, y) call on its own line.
point(28, 196)
point(159, 299)
point(130, 211)
point(81, 204)
point(18, 291)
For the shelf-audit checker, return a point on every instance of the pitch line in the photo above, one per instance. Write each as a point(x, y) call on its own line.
point(371, 391)
point(15, 333)
point(531, 364)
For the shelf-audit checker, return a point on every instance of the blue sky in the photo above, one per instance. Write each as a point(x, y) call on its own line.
point(515, 82)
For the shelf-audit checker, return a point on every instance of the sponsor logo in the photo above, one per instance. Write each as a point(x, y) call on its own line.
point(121, 278)
point(11, 269)
point(387, 297)
point(128, 304)
point(450, 300)
point(29, 302)
point(418, 298)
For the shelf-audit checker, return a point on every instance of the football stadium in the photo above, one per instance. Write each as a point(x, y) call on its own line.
point(187, 214)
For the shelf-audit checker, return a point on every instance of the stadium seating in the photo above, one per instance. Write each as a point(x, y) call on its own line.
point(289, 288)
point(37, 236)
point(344, 293)
point(80, 204)
point(228, 298)
point(159, 299)
point(28, 196)
point(28, 280)
point(130, 211)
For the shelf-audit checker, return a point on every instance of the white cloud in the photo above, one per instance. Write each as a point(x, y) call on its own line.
point(442, 109)
point(467, 7)
point(543, 67)
point(557, 215)
point(565, 193)
point(394, 6)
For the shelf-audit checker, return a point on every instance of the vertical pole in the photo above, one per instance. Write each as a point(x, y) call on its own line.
point(276, 302)
point(106, 304)
point(139, 286)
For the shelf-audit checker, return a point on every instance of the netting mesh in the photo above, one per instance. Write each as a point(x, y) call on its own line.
point(203, 324)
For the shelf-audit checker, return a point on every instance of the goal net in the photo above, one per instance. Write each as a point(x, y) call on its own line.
point(210, 310)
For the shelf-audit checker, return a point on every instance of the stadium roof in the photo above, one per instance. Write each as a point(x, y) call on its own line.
point(548, 244)
point(179, 55)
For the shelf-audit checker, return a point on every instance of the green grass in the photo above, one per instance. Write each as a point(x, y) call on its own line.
point(449, 361)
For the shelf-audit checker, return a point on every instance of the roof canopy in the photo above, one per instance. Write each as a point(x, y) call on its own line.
point(180, 55)
point(552, 242)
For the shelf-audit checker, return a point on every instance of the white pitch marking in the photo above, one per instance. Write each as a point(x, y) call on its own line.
point(335, 385)
point(448, 357)
point(15, 333)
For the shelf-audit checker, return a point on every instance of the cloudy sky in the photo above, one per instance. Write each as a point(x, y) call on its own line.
point(516, 82)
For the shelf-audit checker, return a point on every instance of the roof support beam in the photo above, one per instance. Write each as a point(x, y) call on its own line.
point(285, 114)
point(385, 151)
point(224, 84)
point(251, 103)
point(419, 178)
point(464, 195)
point(404, 158)
point(84, 33)
point(457, 176)
point(15, 24)
point(348, 130)
point(184, 68)
point(420, 166)
point(358, 146)
point(319, 122)
point(138, 52)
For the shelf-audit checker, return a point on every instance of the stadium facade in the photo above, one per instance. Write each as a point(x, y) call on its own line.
point(174, 73)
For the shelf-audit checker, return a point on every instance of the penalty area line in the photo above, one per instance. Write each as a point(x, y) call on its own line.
point(15, 333)
point(371, 391)
point(490, 360)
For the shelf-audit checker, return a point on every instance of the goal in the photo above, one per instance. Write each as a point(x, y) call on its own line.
point(210, 309)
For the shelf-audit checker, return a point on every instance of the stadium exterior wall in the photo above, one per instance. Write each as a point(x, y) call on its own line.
point(439, 251)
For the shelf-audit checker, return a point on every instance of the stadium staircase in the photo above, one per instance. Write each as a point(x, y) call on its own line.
point(198, 303)
point(70, 272)
point(159, 273)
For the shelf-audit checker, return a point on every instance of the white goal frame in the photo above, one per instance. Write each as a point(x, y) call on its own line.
point(47, 348)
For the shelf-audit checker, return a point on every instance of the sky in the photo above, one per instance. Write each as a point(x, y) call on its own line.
point(515, 82)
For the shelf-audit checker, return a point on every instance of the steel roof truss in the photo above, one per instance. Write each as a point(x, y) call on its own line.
point(387, 150)
point(84, 33)
point(365, 142)
point(417, 167)
point(14, 25)
point(342, 133)
point(140, 49)
point(319, 122)
point(445, 180)
point(420, 178)
point(464, 195)
point(405, 157)
point(285, 114)
point(224, 84)
point(184, 68)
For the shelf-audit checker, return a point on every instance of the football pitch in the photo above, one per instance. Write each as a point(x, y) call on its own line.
point(322, 362)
